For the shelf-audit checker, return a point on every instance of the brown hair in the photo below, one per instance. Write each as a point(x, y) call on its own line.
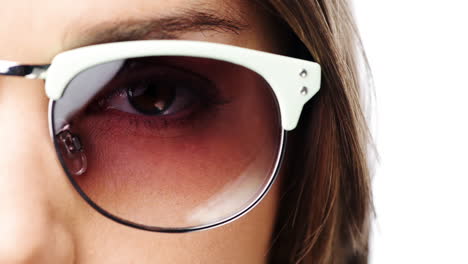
point(326, 199)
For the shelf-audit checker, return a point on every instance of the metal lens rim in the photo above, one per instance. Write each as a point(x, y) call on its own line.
point(266, 188)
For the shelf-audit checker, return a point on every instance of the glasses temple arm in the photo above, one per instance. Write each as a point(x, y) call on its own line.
point(28, 71)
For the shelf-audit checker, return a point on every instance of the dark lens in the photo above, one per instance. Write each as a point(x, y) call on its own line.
point(169, 142)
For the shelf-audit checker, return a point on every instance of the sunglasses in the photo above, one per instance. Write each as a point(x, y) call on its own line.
point(172, 135)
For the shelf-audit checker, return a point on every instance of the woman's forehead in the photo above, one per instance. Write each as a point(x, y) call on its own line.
point(35, 33)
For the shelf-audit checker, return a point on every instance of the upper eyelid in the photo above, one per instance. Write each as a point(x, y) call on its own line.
point(121, 77)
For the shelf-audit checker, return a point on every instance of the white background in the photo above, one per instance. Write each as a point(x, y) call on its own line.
point(418, 51)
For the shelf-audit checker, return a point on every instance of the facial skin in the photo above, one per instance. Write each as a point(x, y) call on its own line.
point(42, 218)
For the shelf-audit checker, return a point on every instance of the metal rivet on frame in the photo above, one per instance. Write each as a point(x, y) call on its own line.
point(303, 73)
point(304, 90)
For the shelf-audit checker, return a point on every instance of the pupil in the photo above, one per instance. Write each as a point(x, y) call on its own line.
point(151, 98)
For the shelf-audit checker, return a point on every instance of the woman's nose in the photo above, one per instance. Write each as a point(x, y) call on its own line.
point(34, 196)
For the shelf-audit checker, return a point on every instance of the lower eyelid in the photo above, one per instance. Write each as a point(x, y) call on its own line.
point(113, 122)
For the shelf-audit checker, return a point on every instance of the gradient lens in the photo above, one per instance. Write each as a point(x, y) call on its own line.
point(169, 142)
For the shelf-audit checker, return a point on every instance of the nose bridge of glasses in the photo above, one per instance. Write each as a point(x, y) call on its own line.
point(9, 68)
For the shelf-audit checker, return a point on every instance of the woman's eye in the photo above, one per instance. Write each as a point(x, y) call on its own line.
point(157, 91)
point(152, 98)
point(160, 97)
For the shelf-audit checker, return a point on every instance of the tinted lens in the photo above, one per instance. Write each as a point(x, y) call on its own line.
point(169, 142)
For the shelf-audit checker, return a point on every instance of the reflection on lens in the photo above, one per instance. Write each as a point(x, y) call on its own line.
point(170, 142)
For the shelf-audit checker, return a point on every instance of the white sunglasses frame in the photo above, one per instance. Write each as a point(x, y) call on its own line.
point(293, 81)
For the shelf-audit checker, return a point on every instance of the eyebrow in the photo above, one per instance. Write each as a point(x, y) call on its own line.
point(169, 27)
